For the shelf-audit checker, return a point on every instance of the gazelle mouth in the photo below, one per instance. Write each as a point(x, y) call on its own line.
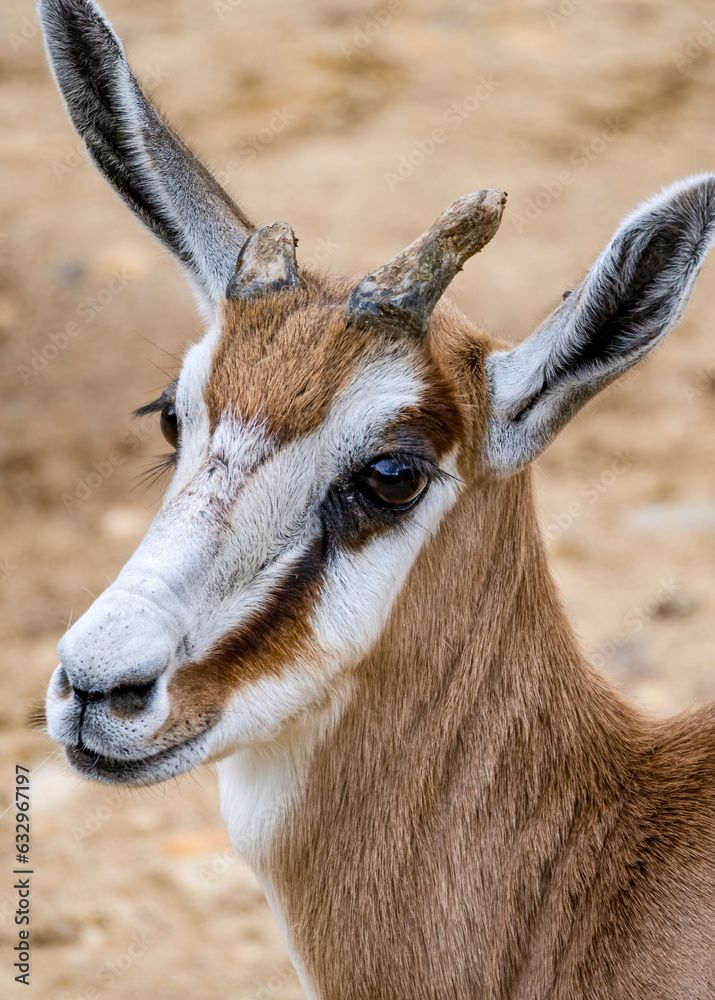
point(136, 771)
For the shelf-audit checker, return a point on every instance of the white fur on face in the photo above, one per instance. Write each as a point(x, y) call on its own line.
point(273, 725)
point(191, 411)
point(274, 495)
point(239, 514)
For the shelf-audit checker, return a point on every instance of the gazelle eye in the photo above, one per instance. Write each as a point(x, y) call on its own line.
point(394, 483)
point(169, 424)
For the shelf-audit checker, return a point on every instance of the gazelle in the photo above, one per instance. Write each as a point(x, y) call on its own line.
point(344, 600)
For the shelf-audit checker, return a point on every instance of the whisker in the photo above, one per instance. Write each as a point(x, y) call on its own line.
point(169, 354)
point(162, 370)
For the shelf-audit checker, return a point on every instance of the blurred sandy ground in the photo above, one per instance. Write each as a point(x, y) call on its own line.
point(323, 114)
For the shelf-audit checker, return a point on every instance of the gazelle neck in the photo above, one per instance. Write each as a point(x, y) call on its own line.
point(467, 759)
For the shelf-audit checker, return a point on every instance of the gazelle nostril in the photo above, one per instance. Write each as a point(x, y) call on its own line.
point(127, 700)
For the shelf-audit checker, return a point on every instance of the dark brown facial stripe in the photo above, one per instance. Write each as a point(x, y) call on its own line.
point(257, 648)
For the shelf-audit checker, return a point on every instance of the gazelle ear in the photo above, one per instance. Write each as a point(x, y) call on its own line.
point(137, 151)
point(631, 298)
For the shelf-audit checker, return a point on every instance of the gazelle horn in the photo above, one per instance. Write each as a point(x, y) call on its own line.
point(266, 263)
point(406, 289)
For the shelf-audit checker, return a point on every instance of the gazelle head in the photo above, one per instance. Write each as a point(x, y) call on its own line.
point(324, 429)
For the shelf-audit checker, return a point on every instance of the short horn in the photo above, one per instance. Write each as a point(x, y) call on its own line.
point(266, 263)
point(405, 291)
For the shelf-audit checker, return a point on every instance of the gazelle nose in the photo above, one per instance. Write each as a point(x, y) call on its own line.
point(125, 701)
point(116, 653)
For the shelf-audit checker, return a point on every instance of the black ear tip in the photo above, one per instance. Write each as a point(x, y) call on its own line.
point(567, 293)
point(59, 12)
point(59, 8)
point(73, 27)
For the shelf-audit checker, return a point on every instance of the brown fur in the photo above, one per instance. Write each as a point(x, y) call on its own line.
point(277, 355)
point(282, 360)
point(259, 648)
point(489, 819)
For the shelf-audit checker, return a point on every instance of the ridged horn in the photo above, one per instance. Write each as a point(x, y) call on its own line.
point(266, 263)
point(405, 290)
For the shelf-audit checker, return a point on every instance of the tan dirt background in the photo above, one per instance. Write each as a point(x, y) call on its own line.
point(136, 893)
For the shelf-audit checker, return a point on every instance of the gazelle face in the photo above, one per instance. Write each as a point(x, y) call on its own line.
point(312, 463)
point(319, 430)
